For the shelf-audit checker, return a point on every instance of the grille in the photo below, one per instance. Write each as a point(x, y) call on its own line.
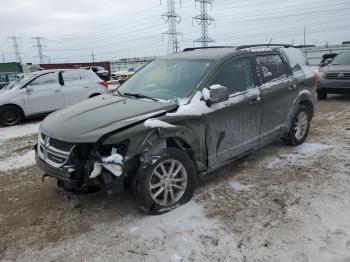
point(338, 76)
point(55, 158)
point(53, 151)
point(61, 145)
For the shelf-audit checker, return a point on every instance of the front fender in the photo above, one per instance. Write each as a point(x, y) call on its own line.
point(149, 142)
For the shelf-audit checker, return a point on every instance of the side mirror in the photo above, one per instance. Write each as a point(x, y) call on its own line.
point(215, 94)
point(29, 88)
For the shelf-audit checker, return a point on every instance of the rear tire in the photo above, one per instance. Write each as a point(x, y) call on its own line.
point(300, 126)
point(166, 184)
point(10, 115)
point(321, 95)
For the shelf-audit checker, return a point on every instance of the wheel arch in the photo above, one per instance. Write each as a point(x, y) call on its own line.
point(181, 144)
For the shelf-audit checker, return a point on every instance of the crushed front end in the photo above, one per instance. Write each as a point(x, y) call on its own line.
point(82, 168)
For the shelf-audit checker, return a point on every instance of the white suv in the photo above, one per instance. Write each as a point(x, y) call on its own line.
point(46, 91)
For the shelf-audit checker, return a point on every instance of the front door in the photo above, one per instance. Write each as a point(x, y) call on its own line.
point(277, 93)
point(233, 128)
point(44, 94)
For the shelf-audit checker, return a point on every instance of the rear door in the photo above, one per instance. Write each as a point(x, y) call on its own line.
point(234, 127)
point(76, 86)
point(278, 92)
point(44, 94)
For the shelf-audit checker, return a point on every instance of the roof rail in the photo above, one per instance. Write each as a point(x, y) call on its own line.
point(267, 45)
point(207, 47)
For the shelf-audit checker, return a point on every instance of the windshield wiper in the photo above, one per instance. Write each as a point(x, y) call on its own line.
point(141, 96)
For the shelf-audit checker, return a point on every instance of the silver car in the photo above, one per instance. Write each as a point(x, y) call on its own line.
point(46, 91)
point(335, 77)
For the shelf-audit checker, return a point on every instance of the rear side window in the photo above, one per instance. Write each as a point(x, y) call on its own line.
point(236, 75)
point(71, 76)
point(271, 67)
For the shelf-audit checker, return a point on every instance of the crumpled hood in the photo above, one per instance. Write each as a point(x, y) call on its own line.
point(335, 69)
point(87, 121)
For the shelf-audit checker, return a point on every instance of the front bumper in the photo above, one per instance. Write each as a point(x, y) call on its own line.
point(334, 85)
point(58, 173)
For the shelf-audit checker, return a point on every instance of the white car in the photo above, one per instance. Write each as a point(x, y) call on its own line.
point(46, 91)
point(122, 76)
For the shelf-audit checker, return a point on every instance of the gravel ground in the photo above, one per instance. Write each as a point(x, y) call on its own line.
point(278, 204)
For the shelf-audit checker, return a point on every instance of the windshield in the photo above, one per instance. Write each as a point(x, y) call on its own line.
point(342, 59)
point(167, 79)
point(21, 81)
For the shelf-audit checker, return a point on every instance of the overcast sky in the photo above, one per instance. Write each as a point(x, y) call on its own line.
point(114, 29)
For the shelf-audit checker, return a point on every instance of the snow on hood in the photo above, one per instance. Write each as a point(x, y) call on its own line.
point(87, 121)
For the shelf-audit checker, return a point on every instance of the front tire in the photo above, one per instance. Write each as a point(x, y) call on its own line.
point(166, 184)
point(10, 115)
point(300, 126)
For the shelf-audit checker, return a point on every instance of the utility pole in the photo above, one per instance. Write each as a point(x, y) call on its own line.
point(16, 48)
point(172, 19)
point(304, 36)
point(204, 20)
point(93, 56)
point(3, 58)
point(40, 48)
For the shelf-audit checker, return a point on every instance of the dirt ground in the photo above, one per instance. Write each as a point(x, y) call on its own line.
point(278, 204)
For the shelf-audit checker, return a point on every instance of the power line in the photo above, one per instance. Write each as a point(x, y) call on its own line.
point(40, 48)
point(204, 20)
point(172, 19)
point(16, 48)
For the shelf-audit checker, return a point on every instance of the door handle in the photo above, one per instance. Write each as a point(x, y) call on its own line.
point(292, 86)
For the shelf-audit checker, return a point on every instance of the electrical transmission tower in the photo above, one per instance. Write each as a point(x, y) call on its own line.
point(40, 48)
point(16, 48)
point(172, 19)
point(204, 20)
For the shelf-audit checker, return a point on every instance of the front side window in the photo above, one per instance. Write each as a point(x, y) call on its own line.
point(167, 79)
point(46, 79)
point(236, 75)
point(271, 67)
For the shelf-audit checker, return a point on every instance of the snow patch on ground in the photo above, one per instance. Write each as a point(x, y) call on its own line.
point(18, 131)
point(184, 234)
point(17, 162)
point(237, 186)
point(298, 157)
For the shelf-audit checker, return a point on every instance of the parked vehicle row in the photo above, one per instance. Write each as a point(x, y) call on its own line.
point(334, 78)
point(46, 91)
point(180, 116)
point(122, 76)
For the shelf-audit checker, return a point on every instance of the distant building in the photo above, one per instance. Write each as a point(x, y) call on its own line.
point(105, 65)
point(314, 53)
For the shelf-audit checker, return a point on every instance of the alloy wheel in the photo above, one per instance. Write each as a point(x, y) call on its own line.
point(168, 182)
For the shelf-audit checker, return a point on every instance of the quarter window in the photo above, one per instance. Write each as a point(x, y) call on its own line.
point(271, 67)
point(236, 75)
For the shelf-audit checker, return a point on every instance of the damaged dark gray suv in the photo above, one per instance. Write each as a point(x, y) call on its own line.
point(181, 116)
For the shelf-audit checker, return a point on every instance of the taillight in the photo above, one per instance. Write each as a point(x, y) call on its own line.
point(105, 84)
